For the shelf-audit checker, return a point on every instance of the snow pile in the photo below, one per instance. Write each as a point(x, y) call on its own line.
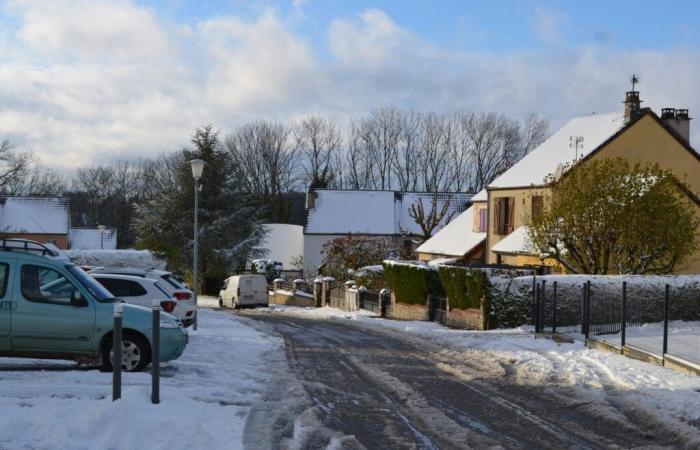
point(144, 259)
point(205, 397)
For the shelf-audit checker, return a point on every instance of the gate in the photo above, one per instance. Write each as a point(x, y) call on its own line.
point(370, 301)
point(337, 295)
point(437, 309)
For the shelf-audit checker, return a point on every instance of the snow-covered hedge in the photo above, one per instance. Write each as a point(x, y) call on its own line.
point(511, 297)
point(412, 283)
point(115, 258)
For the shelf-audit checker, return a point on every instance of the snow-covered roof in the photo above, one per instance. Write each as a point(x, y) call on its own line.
point(543, 160)
point(34, 215)
point(284, 242)
point(456, 238)
point(90, 239)
point(373, 212)
point(517, 242)
point(480, 196)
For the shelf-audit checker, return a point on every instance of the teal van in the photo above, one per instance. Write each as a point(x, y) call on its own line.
point(51, 308)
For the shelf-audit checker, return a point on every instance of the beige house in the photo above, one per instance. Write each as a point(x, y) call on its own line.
point(638, 135)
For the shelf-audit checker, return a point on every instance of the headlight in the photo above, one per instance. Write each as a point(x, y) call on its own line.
point(166, 322)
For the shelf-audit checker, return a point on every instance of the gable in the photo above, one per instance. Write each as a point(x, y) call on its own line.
point(647, 140)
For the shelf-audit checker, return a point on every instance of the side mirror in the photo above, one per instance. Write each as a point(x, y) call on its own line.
point(76, 299)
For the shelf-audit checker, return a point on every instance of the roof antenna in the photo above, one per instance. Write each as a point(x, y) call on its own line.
point(576, 142)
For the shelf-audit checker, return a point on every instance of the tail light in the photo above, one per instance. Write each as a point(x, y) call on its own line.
point(182, 295)
point(168, 305)
point(238, 292)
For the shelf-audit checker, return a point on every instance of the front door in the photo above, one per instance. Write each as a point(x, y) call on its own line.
point(44, 318)
point(5, 306)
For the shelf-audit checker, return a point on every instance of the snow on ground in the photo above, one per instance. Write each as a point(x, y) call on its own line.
point(672, 396)
point(205, 396)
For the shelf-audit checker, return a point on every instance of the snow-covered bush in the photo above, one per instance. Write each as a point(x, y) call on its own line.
point(144, 259)
point(371, 277)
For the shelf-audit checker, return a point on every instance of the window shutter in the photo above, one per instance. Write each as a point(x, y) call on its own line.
point(497, 216)
point(511, 214)
point(483, 219)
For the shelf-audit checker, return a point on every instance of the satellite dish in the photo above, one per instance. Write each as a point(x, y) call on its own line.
point(558, 172)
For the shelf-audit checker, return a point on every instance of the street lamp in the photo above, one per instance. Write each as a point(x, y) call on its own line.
point(102, 233)
point(197, 168)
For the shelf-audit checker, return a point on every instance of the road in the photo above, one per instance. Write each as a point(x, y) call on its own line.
point(361, 387)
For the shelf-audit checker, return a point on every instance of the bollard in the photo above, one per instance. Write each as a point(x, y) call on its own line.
point(666, 305)
point(554, 310)
point(117, 353)
point(155, 355)
point(623, 324)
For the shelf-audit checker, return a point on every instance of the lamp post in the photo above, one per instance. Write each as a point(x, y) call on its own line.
point(102, 232)
point(197, 168)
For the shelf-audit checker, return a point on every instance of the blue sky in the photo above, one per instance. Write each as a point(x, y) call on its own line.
point(89, 80)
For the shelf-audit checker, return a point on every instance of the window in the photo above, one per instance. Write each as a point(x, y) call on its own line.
point(503, 215)
point(122, 288)
point(40, 284)
point(172, 281)
point(4, 270)
point(537, 204)
point(483, 220)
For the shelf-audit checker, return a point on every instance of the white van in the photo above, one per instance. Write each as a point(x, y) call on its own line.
point(244, 290)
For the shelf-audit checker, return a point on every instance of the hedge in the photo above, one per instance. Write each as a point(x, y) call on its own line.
point(464, 287)
point(412, 283)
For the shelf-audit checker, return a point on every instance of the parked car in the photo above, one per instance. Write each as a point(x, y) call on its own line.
point(143, 291)
point(244, 290)
point(171, 284)
point(51, 308)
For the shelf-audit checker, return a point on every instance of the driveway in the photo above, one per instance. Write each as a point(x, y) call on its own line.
point(371, 388)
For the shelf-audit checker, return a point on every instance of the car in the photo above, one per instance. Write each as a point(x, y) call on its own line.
point(171, 284)
point(244, 290)
point(143, 291)
point(51, 308)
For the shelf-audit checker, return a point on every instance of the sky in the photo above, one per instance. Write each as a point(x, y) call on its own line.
point(88, 81)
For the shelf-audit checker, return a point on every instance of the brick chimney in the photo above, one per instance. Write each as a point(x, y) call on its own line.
point(632, 105)
point(679, 120)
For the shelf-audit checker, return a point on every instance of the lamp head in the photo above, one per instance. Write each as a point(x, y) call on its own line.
point(197, 168)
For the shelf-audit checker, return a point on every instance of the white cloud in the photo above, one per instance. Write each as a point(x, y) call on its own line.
point(140, 85)
point(550, 26)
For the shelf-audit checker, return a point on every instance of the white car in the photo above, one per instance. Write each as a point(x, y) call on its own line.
point(171, 284)
point(244, 290)
point(142, 291)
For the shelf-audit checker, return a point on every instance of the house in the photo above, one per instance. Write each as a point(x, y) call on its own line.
point(332, 213)
point(637, 134)
point(462, 239)
point(41, 219)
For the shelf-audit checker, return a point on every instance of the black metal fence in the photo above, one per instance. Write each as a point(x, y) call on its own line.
point(376, 302)
point(664, 322)
point(437, 309)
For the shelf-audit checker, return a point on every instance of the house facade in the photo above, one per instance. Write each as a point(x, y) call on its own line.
point(637, 135)
point(333, 213)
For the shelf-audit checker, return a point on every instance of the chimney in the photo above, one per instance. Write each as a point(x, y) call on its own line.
point(677, 119)
point(632, 105)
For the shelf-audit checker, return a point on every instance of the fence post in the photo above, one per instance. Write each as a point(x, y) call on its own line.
point(543, 305)
point(554, 309)
point(623, 324)
point(117, 352)
point(535, 288)
point(587, 300)
point(537, 308)
point(155, 354)
point(666, 302)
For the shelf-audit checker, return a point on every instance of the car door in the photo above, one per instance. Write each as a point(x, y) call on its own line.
point(6, 306)
point(44, 318)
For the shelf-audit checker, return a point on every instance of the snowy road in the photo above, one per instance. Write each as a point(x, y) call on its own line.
point(369, 387)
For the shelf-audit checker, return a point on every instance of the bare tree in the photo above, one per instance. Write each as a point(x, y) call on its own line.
point(37, 180)
point(318, 141)
point(436, 137)
point(13, 165)
point(407, 163)
point(429, 221)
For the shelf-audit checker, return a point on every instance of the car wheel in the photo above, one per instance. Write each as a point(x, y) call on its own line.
point(235, 305)
point(221, 302)
point(136, 353)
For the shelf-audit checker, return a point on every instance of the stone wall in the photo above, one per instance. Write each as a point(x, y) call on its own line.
point(471, 318)
point(405, 311)
point(281, 298)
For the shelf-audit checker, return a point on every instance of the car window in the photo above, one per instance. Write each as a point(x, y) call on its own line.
point(4, 270)
point(44, 285)
point(225, 286)
point(172, 281)
point(89, 283)
point(122, 288)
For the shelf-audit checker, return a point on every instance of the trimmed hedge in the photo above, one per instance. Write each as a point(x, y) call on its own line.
point(464, 287)
point(412, 283)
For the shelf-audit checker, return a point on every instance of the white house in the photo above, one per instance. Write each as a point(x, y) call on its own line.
point(332, 213)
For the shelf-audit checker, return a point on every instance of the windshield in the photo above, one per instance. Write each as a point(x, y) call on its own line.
point(89, 283)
